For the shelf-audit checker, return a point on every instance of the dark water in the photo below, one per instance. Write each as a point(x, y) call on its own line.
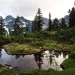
point(42, 60)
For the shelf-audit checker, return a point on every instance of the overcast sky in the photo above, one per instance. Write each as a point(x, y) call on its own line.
point(28, 8)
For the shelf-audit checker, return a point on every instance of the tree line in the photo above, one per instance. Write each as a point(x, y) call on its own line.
point(38, 23)
point(54, 24)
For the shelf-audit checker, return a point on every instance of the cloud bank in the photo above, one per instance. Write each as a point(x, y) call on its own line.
point(28, 8)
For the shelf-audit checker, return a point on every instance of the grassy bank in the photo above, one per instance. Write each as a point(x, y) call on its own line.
point(70, 71)
point(32, 42)
point(70, 62)
point(15, 48)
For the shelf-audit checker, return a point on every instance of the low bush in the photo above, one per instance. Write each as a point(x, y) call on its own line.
point(4, 40)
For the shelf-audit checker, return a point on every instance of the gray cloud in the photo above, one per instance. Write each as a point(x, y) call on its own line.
point(28, 8)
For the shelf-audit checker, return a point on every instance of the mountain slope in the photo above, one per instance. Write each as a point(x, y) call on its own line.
point(9, 23)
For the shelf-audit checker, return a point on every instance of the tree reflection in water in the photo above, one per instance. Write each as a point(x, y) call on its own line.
point(38, 58)
point(45, 56)
point(48, 59)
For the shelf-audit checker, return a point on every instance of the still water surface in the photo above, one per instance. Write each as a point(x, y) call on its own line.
point(42, 60)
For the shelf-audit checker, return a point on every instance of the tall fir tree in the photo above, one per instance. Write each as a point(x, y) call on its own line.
point(17, 26)
point(50, 22)
point(63, 24)
point(72, 18)
point(38, 21)
point(55, 24)
point(2, 30)
point(34, 24)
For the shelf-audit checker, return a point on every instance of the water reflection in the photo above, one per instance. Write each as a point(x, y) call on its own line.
point(18, 62)
point(42, 60)
point(50, 59)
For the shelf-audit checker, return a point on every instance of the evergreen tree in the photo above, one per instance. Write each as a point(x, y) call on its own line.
point(55, 24)
point(2, 30)
point(17, 27)
point(63, 24)
point(72, 18)
point(38, 21)
point(34, 24)
point(50, 22)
